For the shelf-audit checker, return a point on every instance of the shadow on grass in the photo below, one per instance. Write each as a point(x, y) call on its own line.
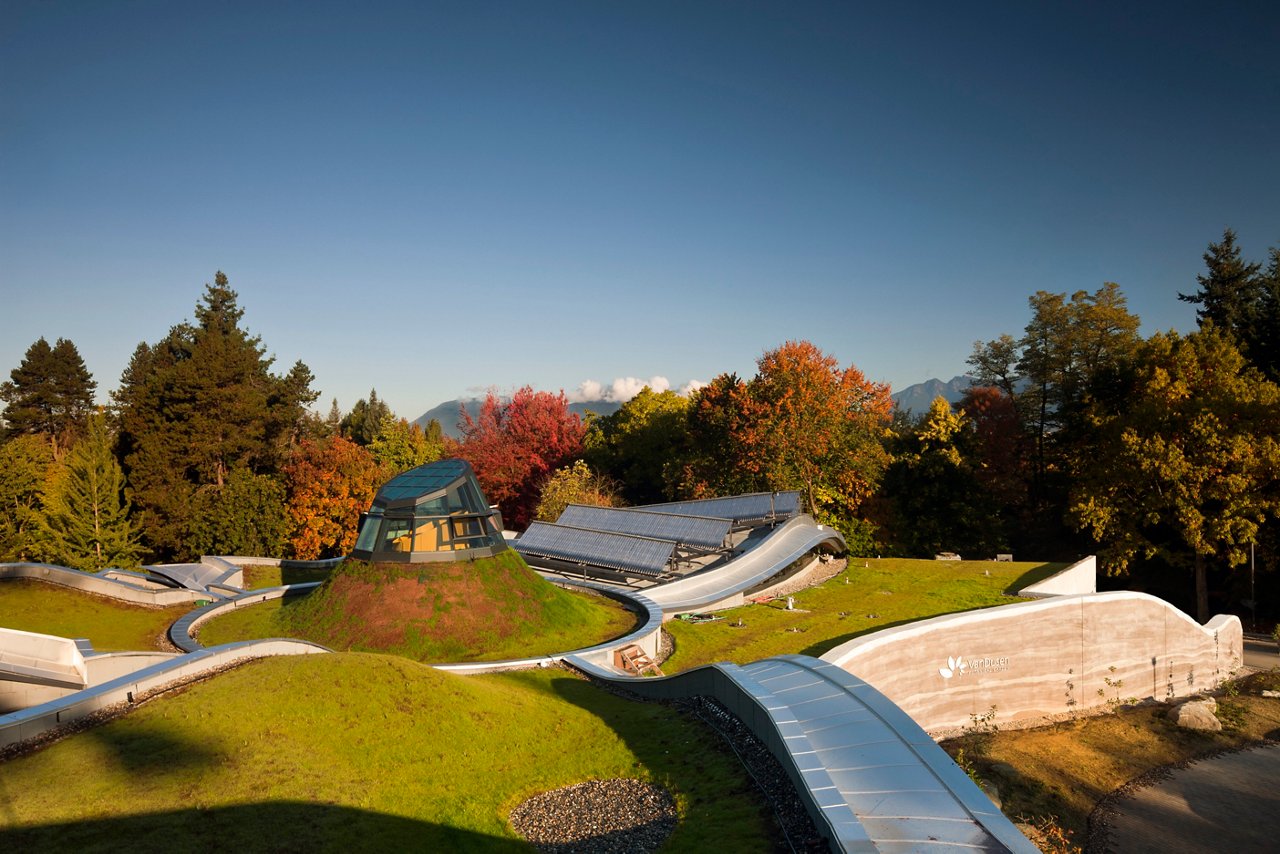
point(1032, 576)
point(270, 826)
point(817, 649)
point(151, 751)
point(723, 807)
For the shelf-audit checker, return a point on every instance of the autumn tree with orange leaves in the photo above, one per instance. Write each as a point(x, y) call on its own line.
point(802, 422)
point(817, 427)
point(330, 484)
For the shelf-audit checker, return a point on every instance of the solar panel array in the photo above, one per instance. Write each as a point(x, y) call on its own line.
point(423, 480)
point(742, 509)
point(697, 531)
point(610, 550)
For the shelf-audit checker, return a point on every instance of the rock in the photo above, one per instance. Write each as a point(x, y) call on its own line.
point(991, 791)
point(1197, 714)
point(1271, 693)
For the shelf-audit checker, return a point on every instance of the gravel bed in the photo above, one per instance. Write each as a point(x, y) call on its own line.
point(798, 829)
point(599, 816)
point(798, 832)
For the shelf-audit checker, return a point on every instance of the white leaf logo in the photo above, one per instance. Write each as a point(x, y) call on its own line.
point(955, 667)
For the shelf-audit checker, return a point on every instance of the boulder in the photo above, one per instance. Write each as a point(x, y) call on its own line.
point(1197, 714)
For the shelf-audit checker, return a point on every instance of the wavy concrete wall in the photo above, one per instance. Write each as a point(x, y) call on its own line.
point(29, 723)
point(1080, 577)
point(1033, 659)
point(102, 586)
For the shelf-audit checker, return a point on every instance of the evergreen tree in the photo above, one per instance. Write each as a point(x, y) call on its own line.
point(50, 394)
point(1230, 294)
point(197, 406)
point(86, 522)
point(25, 465)
point(246, 516)
point(365, 419)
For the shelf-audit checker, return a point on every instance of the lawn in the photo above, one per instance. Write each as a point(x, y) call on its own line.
point(868, 596)
point(1064, 770)
point(257, 576)
point(370, 752)
point(587, 620)
point(34, 606)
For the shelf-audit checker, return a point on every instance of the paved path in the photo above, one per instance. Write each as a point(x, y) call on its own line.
point(1260, 654)
point(1228, 803)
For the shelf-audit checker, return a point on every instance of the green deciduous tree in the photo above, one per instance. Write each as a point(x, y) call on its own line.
point(86, 521)
point(937, 500)
point(50, 394)
point(634, 445)
point(198, 405)
point(400, 446)
point(247, 515)
point(25, 464)
point(1188, 470)
point(575, 484)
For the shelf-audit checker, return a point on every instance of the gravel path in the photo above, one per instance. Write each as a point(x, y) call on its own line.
point(598, 817)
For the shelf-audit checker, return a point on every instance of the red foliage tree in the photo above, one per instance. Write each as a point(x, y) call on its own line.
point(515, 446)
point(1000, 452)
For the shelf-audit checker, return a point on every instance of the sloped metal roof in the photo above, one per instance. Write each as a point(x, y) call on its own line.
point(742, 509)
point(622, 552)
point(699, 531)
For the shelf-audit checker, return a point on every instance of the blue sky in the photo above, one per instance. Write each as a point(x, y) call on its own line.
point(433, 198)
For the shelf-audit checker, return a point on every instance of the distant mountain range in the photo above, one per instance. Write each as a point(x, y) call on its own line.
point(448, 413)
point(914, 399)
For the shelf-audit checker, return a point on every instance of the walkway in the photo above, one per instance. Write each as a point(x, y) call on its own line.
point(782, 547)
point(1227, 803)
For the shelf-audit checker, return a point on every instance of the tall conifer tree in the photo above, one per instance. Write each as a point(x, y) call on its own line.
point(198, 405)
point(50, 394)
point(86, 523)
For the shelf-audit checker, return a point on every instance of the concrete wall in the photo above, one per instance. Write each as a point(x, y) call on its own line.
point(101, 585)
point(1080, 577)
point(98, 668)
point(29, 723)
point(1033, 659)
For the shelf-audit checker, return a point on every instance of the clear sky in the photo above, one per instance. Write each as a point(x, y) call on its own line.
point(433, 198)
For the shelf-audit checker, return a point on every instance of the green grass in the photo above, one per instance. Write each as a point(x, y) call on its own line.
point(488, 610)
point(34, 606)
point(258, 576)
point(883, 593)
point(367, 752)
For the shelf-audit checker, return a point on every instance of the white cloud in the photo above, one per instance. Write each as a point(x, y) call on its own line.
point(690, 387)
point(623, 389)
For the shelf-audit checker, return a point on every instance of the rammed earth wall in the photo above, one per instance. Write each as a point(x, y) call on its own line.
point(1033, 659)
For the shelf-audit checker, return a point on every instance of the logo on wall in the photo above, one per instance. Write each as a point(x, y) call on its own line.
point(959, 666)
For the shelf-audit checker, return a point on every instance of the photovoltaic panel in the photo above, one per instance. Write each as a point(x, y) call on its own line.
point(698, 531)
point(622, 552)
point(742, 509)
point(423, 480)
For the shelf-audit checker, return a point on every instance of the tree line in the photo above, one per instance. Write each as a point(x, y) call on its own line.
point(1078, 435)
